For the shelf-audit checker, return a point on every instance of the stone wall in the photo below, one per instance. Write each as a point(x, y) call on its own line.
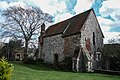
point(53, 45)
point(91, 27)
point(64, 47)
point(70, 43)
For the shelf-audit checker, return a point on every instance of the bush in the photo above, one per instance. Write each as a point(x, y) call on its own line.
point(29, 60)
point(5, 69)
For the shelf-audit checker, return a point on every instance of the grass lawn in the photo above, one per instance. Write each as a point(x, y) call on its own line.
point(41, 72)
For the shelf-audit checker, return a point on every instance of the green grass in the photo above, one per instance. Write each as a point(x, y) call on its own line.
point(41, 72)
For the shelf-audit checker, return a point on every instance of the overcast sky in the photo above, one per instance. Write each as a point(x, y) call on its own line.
point(107, 11)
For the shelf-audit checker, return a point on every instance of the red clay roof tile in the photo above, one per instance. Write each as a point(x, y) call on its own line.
point(71, 26)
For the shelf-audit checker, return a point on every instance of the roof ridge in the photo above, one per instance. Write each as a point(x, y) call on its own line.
point(77, 18)
point(73, 16)
point(75, 24)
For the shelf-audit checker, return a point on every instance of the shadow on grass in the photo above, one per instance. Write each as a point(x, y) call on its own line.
point(37, 66)
point(45, 67)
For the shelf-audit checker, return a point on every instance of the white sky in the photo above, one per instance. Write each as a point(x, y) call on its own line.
point(60, 9)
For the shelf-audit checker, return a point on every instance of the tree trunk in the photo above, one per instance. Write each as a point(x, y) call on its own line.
point(26, 49)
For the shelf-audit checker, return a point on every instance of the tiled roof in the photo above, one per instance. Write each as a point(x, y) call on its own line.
point(68, 27)
point(57, 28)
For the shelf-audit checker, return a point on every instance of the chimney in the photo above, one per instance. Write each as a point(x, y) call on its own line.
point(42, 33)
point(42, 29)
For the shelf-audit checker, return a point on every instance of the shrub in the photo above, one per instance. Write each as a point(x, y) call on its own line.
point(29, 60)
point(5, 69)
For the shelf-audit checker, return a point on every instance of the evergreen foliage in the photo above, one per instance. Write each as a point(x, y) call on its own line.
point(5, 69)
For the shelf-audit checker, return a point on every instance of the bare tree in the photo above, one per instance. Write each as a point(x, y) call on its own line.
point(114, 41)
point(24, 23)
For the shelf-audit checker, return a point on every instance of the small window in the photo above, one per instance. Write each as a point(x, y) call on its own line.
point(93, 38)
point(98, 57)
